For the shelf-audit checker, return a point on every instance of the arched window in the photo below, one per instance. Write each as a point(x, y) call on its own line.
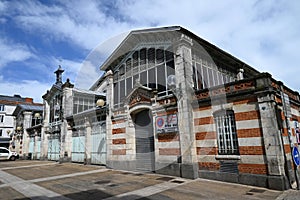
point(226, 132)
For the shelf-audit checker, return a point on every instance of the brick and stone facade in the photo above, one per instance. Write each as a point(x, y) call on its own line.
point(232, 122)
point(178, 105)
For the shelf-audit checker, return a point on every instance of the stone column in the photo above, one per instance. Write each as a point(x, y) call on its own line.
point(183, 73)
point(66, 134)
point(110, 103)
point(272, 138)
point(88, 141)
point(44, 135)
point(26, 124)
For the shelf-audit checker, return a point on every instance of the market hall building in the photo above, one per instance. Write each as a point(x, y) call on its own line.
point(178, 105)
point(169, 102)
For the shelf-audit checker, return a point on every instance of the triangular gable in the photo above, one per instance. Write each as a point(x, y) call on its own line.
point(139, 95)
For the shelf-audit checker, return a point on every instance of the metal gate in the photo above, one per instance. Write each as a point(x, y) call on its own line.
point(78, 146)
point(53, 147)
point(38, 148)
point(31, 148)
point(144, 141)
point(98, 153)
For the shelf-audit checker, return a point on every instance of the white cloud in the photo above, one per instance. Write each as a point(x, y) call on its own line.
point(13, 52)
point(264, 34)
point(80, 23)
point(26, 88)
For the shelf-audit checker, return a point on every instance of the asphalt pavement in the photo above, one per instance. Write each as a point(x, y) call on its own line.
point(28, 179)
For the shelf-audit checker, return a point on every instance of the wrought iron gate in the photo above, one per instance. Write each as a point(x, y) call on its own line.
point(78, 146)
point(98, 153)
point(31, 147)
point(54, 147)
point(144, 141)
point(38, 148)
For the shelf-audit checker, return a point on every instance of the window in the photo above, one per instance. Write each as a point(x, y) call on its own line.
point(4, 151)
point(226, 132)
point(150, 67)
point(1, 118)
point(1, 132)
point(2, 107)
point(206, 74)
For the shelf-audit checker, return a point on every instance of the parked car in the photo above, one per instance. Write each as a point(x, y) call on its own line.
point(6, 154)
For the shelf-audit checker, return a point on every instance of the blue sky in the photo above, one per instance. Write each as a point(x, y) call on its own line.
point(37, 36)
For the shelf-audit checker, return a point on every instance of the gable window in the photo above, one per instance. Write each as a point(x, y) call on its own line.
point(149, 67)
point(226, 132)
point(1, 107)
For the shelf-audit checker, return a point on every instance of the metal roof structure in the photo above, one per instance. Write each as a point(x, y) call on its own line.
point(27, 107)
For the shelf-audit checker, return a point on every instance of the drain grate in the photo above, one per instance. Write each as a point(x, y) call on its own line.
point(102, 182)
point(138, 174)
point(257, 190)
point(126, 173)
point(164, 178)
point(112, 185)
point(177, 181)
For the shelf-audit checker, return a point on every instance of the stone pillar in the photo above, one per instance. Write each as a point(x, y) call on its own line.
point(66, 135)
point(88, 141)
point(272, 140)
point(183, 73)
point(44, 135)
point(26, 124)
point(110, 103)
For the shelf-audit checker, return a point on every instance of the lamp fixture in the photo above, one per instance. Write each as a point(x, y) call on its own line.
point(100, 103)
point(37, 115)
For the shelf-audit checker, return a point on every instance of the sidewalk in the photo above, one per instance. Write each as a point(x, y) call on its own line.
point(51, 180)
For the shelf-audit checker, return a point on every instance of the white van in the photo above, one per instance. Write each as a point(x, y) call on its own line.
point(6, 154)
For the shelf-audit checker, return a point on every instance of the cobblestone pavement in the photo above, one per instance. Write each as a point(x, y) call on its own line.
point(24, 179)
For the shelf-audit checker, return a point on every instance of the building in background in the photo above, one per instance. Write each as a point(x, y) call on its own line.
point(7, 124)
point(28, 127)
point(74, 126)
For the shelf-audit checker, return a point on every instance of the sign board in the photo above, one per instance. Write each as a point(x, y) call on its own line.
point(166, 123)
point(296, 156)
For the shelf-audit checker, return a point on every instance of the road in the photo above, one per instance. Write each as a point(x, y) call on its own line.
point(27, 179)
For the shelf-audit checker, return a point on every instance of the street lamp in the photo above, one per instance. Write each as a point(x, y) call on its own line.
point(37, 115)
point(171, 81)
point(100, 103)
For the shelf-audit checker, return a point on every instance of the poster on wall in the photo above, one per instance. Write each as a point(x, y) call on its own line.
point(166, 123)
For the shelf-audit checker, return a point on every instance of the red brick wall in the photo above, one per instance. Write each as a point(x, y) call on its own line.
point(119, 151)
point(169, 151)
point(253, 168)
point(119, 141)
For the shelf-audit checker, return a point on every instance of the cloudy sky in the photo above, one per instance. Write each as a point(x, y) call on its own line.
point(37, 36)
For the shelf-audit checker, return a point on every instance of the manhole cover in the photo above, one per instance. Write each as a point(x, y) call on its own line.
point(257, 190)
point(164, 178)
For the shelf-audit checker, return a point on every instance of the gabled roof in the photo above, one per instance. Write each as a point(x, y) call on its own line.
point(50, 93)
point(172, 34)
point(88, 92)
point(27, 107)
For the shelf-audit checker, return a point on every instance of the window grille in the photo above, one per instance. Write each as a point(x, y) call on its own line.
point(226, 132)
